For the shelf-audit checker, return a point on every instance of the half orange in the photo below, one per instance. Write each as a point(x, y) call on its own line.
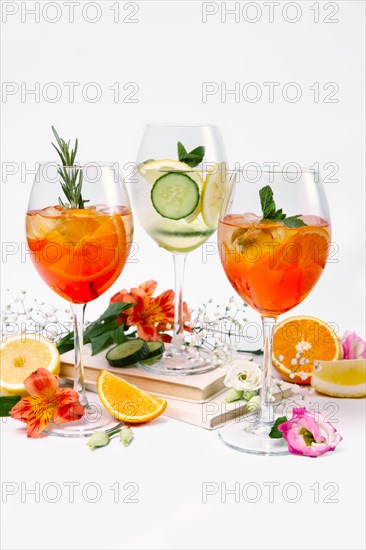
point(299, 342)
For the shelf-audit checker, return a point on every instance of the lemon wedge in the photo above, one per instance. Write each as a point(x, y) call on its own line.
point(21, 355)
point(344, 378)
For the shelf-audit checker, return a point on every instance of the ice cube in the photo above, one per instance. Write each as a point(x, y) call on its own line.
point(249, 218)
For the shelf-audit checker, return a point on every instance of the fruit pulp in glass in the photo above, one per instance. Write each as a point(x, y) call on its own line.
point(273, 267)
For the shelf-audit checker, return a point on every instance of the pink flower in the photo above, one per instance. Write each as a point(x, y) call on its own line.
point(307, 436)
point(353, 346)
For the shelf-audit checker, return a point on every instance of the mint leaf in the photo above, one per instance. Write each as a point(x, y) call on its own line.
point(275, 433)
point(7, 402)
point(293, 221)
point(193, 158)
point(271, 213)
point(267, 202)
point(182, 151)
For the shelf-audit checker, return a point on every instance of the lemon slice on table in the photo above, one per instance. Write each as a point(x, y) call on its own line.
point(345, 378)
point(213, 193)
point(21, 355)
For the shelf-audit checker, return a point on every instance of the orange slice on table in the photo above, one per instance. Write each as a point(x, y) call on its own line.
point(298, 343)
point(126, 402)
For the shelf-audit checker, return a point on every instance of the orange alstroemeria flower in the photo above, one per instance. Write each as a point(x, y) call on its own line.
point(46, 402)
point(150, 315)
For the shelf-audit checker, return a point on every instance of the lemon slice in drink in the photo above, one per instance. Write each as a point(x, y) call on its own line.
point(213, 193)
point(20, 356)
point(153, 169)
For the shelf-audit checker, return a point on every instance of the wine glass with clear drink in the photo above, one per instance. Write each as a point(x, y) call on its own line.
point(177, 195)
point(79, 230)
point(274, 234)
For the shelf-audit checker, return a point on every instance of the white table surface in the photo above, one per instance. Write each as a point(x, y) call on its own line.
point(169, 461)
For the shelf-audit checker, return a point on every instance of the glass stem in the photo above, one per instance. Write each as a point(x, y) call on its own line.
point(267, 411)
point(177, 343)
point(78, 311)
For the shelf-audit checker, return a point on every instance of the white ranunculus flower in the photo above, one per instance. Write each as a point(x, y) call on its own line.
point(243, 375)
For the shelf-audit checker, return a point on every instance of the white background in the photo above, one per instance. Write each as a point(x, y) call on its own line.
point(169, 53)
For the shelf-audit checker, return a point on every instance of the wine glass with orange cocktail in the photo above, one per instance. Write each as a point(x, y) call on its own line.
point(274, 235)
point(79, 230)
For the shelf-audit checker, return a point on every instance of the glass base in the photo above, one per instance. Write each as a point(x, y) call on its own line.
point(182, 363)
point(96, 419)
point(253, 439)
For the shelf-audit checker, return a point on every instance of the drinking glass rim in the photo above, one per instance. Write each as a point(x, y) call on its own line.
point(179, 125)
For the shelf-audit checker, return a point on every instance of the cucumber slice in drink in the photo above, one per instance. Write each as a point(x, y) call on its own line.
point(128, 353)
point(175, 195)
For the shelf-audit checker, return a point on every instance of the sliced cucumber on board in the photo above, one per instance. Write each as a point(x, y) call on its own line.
point(128, 353)
point(156, 350)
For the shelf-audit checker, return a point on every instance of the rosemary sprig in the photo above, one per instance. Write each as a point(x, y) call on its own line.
point(71, 179)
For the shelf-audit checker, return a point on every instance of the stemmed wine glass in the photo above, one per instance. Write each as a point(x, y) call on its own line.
point(274, 235)
point(79, 230)
point(177, 195)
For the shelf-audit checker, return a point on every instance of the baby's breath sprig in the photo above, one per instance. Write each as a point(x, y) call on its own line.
point(22, 315)
point(217, 329)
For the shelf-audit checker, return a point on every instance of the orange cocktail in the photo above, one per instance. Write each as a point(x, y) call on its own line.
point(79, 252)
point(271, 266)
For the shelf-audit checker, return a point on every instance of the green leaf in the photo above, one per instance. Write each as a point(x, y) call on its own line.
point(100, 333)
point(100, 342)
point(293, 221)
point(193, 158)
point(119, 335)
point(95, 329)
point(7, 402)
point(270, 212)
point(66, 343)
point(275, 433)
point(267, 203)
point(181, 150)
point(114, 310)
